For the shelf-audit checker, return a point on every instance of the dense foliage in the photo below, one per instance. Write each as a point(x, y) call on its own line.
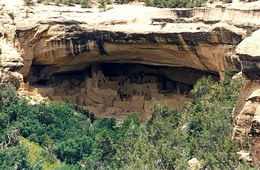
point(154, 3)
point(175, 3)
point(69, 139)
point(83, 3)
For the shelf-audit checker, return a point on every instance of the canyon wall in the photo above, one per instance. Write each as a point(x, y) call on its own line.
point(246, 113)
point(130, 57)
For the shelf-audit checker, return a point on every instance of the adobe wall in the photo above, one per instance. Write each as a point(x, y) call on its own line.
point(119, 90)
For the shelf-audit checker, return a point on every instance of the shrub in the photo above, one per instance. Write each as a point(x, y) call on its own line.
point(249, 31)
point(46, 2)
point(228, 1)
point(76, 1)
point(57, 2)
point(65, 2)
point(85, 4)
point(28, 2)
point(174, 3)
point(14, 157)
point(11, 15)
point(102, 4)
point(72, 150)
point(163, 25)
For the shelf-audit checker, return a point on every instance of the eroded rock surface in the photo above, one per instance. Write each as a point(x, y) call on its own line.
point(11, 61)
point(69, 53)
point(249, 54)
point(246, 128)
point(246, 113)
point(56, 41)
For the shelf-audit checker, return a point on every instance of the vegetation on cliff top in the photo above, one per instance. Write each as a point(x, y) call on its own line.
point(175, 3)
point(83, 3)
point(55, 135)
point(154, 3)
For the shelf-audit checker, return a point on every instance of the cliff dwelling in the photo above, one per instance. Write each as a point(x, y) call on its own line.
point(114, 71)
point(118, 89)
point(127, 59)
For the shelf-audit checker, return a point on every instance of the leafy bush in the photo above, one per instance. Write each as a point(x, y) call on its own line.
point(8, 104)
point(15, 157)
point(73, 150)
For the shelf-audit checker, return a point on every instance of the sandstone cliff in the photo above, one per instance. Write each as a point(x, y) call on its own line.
point(246, 113)
point(87, 56)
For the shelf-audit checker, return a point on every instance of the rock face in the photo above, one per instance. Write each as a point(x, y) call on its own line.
point(69, 41)
point(249, 54)
point(246, 128)
point(119, 61)
point(11, 61)
point(74, 47)
point(255, 131)
point(247, 113)
point(66, 39)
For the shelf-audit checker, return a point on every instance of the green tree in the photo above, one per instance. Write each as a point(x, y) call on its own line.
point(170, 138)
point(16, 157)
point(159, 145)
point(210, 127)
point(105, 145)
point(73, 150)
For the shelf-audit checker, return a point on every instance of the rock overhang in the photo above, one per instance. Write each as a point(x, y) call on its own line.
point(249, 53)
point(77, 45)
point(203, 34)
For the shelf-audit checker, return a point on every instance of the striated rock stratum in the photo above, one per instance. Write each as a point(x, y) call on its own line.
point(130, 57)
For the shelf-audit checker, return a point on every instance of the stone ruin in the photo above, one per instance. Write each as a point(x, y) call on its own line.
point(117, 90)
point(121, 95)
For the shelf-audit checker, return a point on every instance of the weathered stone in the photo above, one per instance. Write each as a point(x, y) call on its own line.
point(249, 53)
point(58, 44)
point(247, 121)
point(255, 132)
point(11, 61)
point(95, 97)
point(194, 164)
point(250, 47)
point(69, 43)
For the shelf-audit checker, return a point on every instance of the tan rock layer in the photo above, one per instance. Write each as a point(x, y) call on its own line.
point(246, 123)
point(75, 48)
point(54, 40)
